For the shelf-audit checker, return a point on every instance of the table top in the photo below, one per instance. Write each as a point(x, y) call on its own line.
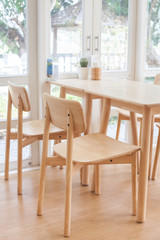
point(116, 89)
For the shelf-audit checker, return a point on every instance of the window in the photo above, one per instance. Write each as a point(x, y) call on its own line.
point(66, 34)
point(153, 35)
point(114, 35)
point(18, 65)
point(13, 31)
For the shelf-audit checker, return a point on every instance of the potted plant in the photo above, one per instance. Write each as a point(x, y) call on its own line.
point(83, 69)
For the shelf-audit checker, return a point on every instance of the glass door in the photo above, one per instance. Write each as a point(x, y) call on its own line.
point(110, 35)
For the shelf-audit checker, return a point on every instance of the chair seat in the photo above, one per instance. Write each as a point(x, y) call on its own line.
point(139, 116)
point(95, 148)
point(36, 128)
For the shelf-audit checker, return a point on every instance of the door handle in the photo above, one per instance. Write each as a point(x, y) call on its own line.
point(96, 42)
point(88, 43)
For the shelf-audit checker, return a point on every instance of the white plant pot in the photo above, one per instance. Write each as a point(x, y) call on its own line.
point(83, 73)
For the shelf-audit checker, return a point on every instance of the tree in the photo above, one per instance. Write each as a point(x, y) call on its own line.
point(13, 25)
point(118, 7)
point(61, 4)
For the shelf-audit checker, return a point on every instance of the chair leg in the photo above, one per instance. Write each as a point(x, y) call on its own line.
point(43, 163)
point(151, 147)
point(134, 184)
point(69, 167)
point(7, 155)
point(81, 174)
point(97, 179)
point(54, 154)
point(140, 133)
point(93, 180)
point(118, 126)
point(20, 117)
point(156, 157)
point(61, 166)
point(20, 166)
point(41, 186)
point(55, 142)
point(140, 140)
point(68, 198)
point(8, 137)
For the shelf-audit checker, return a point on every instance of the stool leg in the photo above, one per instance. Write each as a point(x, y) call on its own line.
point(156, 157)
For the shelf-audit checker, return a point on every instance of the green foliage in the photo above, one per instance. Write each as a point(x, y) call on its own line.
point(154, 24)
point(118, 7)
point(12, 24)
point(83, 62)
point(61, 4)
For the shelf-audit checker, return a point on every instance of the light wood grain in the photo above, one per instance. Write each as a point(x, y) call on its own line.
point(93, 216)
point(143, 176)
point(8, 133)
point(58, 111)
point(134, 96)
point(156, 156)
point(136, 93)
point(124, 115)
point(19, 91)
point(27, 132)
point(90, 149)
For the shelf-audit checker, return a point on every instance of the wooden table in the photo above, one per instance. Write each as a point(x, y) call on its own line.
point(133, 96)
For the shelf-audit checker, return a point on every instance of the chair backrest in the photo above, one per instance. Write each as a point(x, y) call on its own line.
point(59, 108)
point(157, 79)
point(17, 92)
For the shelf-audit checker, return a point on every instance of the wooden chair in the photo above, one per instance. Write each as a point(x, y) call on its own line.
point(125, 115)
point(156, 156)
point(27, 132)
point(92, 149)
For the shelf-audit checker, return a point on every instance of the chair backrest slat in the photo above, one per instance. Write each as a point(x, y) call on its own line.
point(19, 91)
point(58, 108)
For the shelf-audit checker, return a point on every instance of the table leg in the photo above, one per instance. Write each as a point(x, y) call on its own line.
point(106, 107)
point(151, 147)
point(88, 116)
point(88, 112)
point(62, 92)
point(105, 115)
point(144, 163)
point(135, 135)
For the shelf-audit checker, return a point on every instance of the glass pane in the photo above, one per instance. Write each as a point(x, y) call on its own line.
point(114, 35)
point(149, 80)
point(153, 35)
point(66, 34)
point(13, 50)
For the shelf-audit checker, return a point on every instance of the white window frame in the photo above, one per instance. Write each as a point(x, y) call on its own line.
point(29, 79)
